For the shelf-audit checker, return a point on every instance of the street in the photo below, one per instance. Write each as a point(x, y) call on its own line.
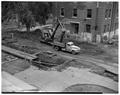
point(60, 47)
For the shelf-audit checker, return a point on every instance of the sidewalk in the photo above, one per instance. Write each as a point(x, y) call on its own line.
point(13, 84)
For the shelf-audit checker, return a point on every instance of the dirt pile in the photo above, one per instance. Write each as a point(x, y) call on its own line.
point(59, 63)
point(51, 58)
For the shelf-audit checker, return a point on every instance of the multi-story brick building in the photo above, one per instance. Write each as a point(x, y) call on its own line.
point(88, 18)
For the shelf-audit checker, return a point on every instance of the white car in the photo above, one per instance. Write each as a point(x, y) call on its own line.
point(72, 48)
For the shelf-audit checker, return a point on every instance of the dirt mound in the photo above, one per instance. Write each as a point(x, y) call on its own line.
point(51, 58)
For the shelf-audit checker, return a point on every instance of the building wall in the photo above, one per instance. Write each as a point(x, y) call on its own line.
point(98, 16)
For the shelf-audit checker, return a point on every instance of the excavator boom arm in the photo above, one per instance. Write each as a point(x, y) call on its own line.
point(58, 24)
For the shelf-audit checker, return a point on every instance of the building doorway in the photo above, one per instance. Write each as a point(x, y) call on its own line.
point(75, 27)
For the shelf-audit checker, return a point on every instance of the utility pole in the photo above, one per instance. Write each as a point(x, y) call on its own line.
point(112, 18)
point(56, 10)
point(112, 27)
point(96, 21)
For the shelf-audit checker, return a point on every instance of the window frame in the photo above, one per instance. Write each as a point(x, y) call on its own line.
point(87, 28)
point(108, 27)
point(106, 13)
point(89, 13)
point(109, 13)
point(73, 13)
point(61, 12)
point(105, 26)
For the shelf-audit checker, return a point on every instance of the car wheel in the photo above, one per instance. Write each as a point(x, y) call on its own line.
point(73, 52)
point(56, 48)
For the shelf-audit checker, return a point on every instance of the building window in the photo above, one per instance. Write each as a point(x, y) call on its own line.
point(109, 13)
point(75, 12)
point(106, 13)
point(62, 12)
point(104, 28)
point(116, 13)
point(116, 25)
point(75, 27)
point(89, 13)
point(88, 28)
point(108, 27)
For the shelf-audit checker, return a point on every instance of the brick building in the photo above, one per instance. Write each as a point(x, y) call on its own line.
point(88, 19)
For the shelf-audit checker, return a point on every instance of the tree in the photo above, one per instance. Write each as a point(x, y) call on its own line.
point(41, 11)
point(7, 10)
point(25, 15)
point(28, 12)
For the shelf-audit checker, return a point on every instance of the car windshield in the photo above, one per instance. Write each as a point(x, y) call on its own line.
point(70, 44)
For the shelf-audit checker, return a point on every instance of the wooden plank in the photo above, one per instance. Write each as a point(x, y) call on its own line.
point(10, 60)
point(18, 53)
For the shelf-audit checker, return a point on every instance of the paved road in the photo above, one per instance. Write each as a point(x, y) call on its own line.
point(13, 84)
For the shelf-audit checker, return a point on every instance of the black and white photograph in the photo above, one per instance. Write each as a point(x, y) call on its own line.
point(59, 47)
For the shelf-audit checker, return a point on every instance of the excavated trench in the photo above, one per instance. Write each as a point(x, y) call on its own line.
point(50, 61)
point(59, 64)
point(47, 61)
point(108, 74)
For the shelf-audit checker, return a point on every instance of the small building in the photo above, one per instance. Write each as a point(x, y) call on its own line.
point(90, 20)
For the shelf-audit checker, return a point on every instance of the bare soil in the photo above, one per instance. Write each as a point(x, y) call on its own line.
point(33, 46)
point(31, 43)
point(98, 51)
point(14, 66)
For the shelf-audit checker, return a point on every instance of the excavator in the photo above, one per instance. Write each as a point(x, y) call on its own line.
point(48, 33)
point(48, 37)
